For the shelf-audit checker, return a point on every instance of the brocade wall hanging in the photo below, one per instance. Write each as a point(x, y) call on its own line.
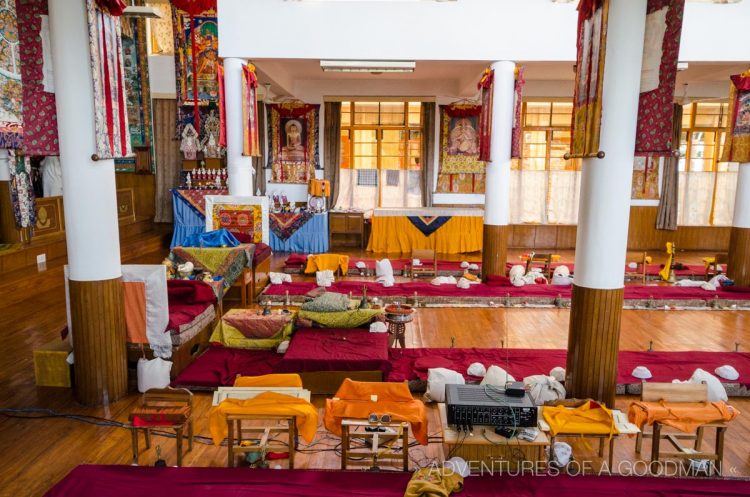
point(245, 217)
point(587, 98)
point(658, 76)
point(515, 139)
point(39, 111)
point(22, 192)
point(460, 166)
point(645, 184)
point(485, 119)
point(250, 140)
point(11, 89)
point(110, 107)
point(197, 67)
point(293, 142)
point(737, 145)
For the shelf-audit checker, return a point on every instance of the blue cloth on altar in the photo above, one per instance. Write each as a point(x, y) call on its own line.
point(428, 224)
point(312, 238)
point(215, 238)
point(187, 221)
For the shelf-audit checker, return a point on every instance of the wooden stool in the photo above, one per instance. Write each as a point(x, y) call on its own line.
point(235, 431)
point(164, 408)
point(396, 333)
point(375, 449)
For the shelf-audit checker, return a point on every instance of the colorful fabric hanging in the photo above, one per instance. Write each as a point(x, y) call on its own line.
point(485, 119)
point(110, 112)
point(137, 82)
point(22, 192)
point(250, 141)
point(114, 7)
point(459, 139)
point(222, 110)
point(515, 141)
point(11, 89)
point(39, 110)
point(195, 7)
point(658, 77)
point(293, 142)
point(737, 145)
point(587, 100)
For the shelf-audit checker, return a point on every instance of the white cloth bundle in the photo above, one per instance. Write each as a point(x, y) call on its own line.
point(727, 372)
point(497, 376)
point(437, 378)
point(705, 285)
point(561, 276)
point(642, 373)
point(416, 262)
point(562, 453)
point(153, 373)
point(378, 327)
point(463, 284)
point(476, 369)
point(384, 273)
point(324, 278)
point(279, 278)
point(458, 466)
point(464, 265)
point(361, 265)
point(558, 373)
point(543, 388)
point(281, 349)
point(444, 280)
point(716, 391)
point(516, 275)
point(473, 267)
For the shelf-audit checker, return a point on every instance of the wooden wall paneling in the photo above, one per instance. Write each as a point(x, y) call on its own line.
point(168, 157)
point(593, 342)
point(522, 235)
point(545, 236)
point(97, 317)
point(494, 249)
point(143, 192)
point(738, 264)
point(566, 237)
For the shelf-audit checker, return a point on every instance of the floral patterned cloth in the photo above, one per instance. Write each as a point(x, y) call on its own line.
point(21, 192)
point(11, 89)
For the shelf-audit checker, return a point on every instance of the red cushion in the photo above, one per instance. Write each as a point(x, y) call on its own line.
point(182, 314)
point(243, 237)
point(296, 259)
point(262, 252)
point(189, 292)
point(497, 280)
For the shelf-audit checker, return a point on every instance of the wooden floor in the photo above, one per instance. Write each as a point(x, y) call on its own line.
point(38, 453)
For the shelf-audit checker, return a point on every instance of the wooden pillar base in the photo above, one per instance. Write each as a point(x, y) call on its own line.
point(494, 250)
point(593, 343)
point(96, 311)
point(738, 263)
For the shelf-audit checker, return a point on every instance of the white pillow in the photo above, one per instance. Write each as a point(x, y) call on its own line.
point(727, 372)
point(543, 388)
point(716, 391)
point(497, 376)
point(153, 373)
point(476, 369)
point(437, 378)
point(279, 278)
point(324, 278)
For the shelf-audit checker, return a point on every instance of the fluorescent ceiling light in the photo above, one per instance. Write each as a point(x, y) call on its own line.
point(373, 66)
point(144, 12)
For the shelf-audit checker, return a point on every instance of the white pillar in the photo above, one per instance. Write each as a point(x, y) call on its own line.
point(239, 167)
point(497, 181)
point(604, 210)
point(4, 160)
point(91, 228)
point(741, 217)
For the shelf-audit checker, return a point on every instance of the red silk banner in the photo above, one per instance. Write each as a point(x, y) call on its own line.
point(250, 140)
point(194, 7)
point(515, 140)
point(222, 109)
point(486, 85)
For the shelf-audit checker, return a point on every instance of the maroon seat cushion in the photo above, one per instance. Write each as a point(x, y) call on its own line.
point(262, 252)
point(296, 260)
point(182, 314)
point(497, 280)
point(188, 292)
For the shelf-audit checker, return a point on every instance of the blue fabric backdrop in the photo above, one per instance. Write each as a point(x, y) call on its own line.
point(312, 238)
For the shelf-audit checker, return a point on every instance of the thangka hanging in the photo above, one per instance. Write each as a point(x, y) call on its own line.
point(515, 140)
point(737, 145)
point(587, 100)
point(658, 76)
point(110, 108)
point(197, 64)
point(645, 185)
point(485, 118)
point(11, 89)
point(39, 110)
point(293, 142)
point(137, 81)
point(22, 192)
point(459, 139)
point(250, 142)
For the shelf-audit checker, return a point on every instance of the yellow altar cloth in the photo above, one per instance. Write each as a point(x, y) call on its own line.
point(396, 233)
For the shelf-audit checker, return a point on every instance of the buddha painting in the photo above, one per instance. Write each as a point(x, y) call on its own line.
point(463, 138)
point(293, 149)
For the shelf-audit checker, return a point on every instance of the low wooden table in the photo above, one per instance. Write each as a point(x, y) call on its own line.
point(236, 430)
point(376, 449)
point(624, 427)
point(487, 448)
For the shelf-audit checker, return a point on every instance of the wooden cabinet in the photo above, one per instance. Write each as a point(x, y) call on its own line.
point(344, 227)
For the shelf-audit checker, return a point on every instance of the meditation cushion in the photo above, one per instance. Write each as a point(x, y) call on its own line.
point(497, 280)
point(437, 378)
point(497, 376)
point(328, 302)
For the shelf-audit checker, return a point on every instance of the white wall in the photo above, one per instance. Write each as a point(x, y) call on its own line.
point(530, 30)
point(161, 76)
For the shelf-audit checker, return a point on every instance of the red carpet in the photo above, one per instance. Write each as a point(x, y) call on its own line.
point(219, 366)
point(540, 293)
point(126, 481)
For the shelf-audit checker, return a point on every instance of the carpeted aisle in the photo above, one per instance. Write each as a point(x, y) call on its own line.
point(127, 481)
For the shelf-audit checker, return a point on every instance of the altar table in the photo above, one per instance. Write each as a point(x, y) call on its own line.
point(310, 238)
point(447, 230)
point(189, 208)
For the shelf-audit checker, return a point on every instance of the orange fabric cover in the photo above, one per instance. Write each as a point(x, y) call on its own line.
point(134, 293)
point(683, 416)
point(269, 380)
point(353, 400)
point(322, 262)
point(265, 404)
point(590, 418)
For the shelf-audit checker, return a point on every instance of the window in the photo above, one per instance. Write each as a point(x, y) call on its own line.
point(545, 186)
point(381, 144)
point(707, 186)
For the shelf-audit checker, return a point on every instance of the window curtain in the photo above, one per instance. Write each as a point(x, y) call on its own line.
point(259, 178)
point(666, 217)
point(168, 158)
point(544, 197)
point(428, 152)
point(332, 147)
